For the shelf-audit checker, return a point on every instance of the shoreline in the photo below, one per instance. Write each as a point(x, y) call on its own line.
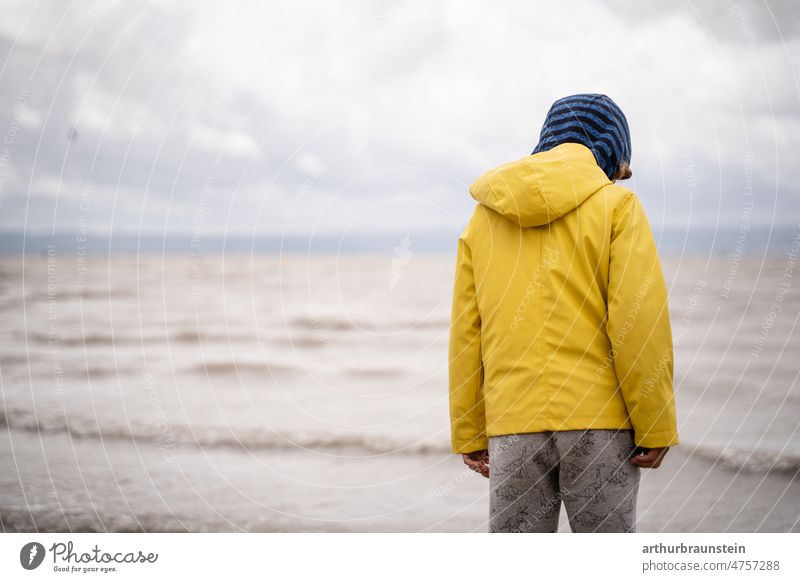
point(99, 483)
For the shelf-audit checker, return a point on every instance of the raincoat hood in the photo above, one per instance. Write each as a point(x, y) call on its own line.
point(538, 189)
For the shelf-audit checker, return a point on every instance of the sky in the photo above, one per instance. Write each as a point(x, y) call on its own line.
point(352, 118)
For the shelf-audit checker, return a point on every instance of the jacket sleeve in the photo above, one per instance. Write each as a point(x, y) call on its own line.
point(639, 327)
point(467, 414)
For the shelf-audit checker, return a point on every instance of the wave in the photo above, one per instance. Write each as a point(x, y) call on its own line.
point(758, 461)
point(92, 338)
point(297, 341)
point(59, 295)
point(199, 336)
point(376, 372)
point(101, 372)
point(343, 323)
point(167, 437)
point(15, 359)
point(133, 336)
point(223, 368)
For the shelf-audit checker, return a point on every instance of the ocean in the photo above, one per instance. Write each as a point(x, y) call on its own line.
point(294, 392)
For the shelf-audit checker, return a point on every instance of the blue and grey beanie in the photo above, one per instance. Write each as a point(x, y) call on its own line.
point(591, 119)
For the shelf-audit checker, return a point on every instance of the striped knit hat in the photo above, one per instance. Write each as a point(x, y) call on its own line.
point(591, 119)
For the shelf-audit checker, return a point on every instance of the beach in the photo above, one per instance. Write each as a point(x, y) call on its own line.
point(289, 392)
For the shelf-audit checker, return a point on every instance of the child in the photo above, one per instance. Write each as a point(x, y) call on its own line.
point(560, 354)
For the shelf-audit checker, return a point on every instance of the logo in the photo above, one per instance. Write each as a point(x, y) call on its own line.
point(402, 256)
point(31, 555)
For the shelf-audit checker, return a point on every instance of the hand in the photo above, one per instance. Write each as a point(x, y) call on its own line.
point(478, 462)
point(649, 458)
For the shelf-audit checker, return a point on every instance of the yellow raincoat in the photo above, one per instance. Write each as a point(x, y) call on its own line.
point(559, 316)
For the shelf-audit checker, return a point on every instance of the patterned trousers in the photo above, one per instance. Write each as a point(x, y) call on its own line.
point(530, 474)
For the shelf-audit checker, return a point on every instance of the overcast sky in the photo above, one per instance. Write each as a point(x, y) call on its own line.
point(357, 117)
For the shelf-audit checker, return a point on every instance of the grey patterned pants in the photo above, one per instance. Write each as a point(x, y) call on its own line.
point(530, 475)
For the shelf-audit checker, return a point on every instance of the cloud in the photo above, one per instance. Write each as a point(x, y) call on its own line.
point(357, 115)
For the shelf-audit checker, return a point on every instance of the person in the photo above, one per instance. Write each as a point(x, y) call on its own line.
point(560, 348)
